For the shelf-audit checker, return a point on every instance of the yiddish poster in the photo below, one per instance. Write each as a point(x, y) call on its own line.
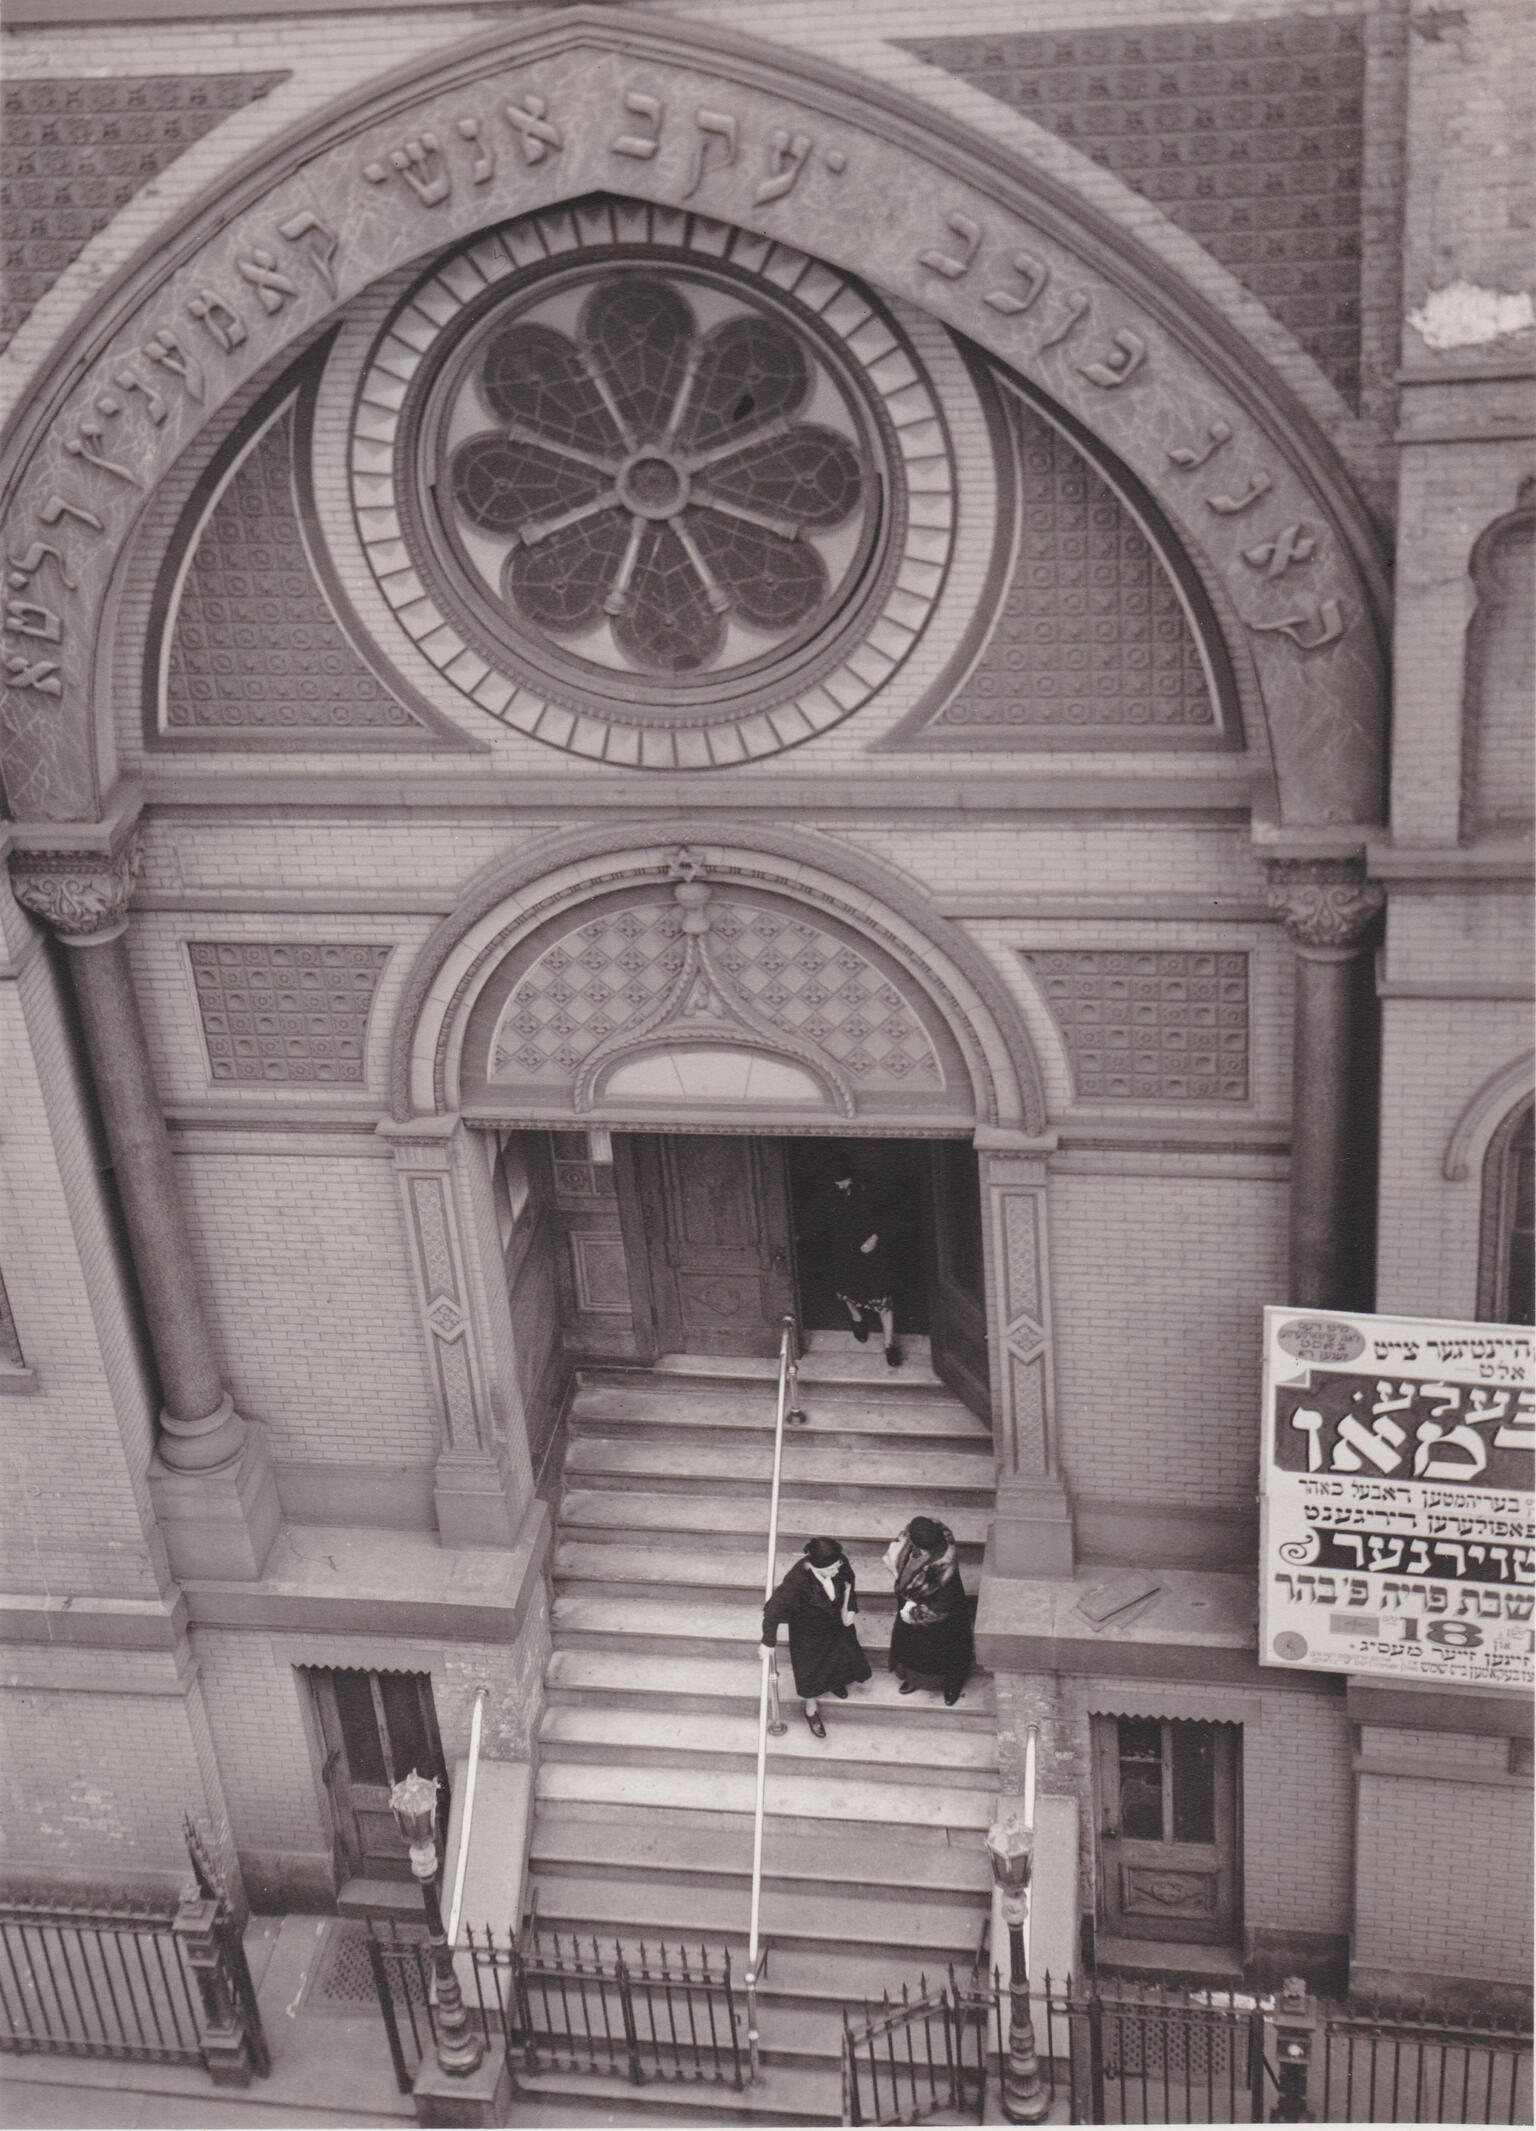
point(1397, 1526)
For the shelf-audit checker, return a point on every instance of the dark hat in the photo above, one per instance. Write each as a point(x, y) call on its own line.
point(822, 1553)
point(931, 1537)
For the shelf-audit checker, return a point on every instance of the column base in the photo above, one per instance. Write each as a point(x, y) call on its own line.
point(479, 2097)
point(475, 1506)
point(1031, 1534)
point(219, 1525)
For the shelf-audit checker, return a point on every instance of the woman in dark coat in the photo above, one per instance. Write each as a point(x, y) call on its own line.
point(817, 1602)
point(931, 1644)
point(850, 1224)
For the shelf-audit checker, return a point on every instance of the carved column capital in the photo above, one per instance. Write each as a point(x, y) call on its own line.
point(81, 895)
point(1326, 904)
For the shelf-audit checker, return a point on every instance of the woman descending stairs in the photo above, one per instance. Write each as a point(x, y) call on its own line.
point(874, 1870)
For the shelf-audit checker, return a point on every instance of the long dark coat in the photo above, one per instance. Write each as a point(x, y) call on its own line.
point(825, 1655)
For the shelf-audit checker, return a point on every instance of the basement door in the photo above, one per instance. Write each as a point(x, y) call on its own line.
point(376, 1727)
point(714, 1217)
point(1168, 1829)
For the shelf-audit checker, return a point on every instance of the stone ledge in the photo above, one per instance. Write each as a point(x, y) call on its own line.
point(91, 1623)
point(338, 1579)
point(1430, 1705)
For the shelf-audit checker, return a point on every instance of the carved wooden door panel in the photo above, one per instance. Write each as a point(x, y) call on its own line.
point(1168, 1829)
point(716, 1212)
point(956, 1279)
point(376, 1727)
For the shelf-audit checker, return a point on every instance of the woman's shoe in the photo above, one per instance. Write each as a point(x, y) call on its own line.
point(861, 1331)
point(952, 1696)
point(841, 1693)
point(908, 1687)
point(893, 1356)
point(813, 1718)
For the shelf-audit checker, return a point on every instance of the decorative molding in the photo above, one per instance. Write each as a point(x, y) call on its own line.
point(74, 149)
point(286, 1010)
point(1500, 676)
point(82, 895)
point(1324, 903)
point(1248, 135)
point(1169, 1025)
point(1484, 1113)
point(1020, 1253)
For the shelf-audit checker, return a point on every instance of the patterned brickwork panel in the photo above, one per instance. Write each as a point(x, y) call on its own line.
point(1169, 1027)
point(73, 151)
point(611, 970)
point(254, 643)
point(1247, 134)
point(285, 1010)
point(1091, 636)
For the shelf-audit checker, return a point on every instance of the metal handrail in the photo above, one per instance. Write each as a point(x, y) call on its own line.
point(769, 1718)
point(467, 1823)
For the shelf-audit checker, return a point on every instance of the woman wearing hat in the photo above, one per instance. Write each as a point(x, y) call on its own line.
point(931, 1643)
point(816, 1602)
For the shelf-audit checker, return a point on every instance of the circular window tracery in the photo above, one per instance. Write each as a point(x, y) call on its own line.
point(651, 500)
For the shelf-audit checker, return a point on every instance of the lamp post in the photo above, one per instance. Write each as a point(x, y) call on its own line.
point(413, 1801)
point(1011, 1850)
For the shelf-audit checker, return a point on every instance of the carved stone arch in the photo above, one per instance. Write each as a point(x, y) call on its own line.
point(707, 123)
point(1482, 1115)
point(557, 880)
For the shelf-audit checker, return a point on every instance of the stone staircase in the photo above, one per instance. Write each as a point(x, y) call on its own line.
point(874, 1870)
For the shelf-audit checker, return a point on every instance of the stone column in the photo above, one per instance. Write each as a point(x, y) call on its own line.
point(212, 1481)
point(484, 1481)
point(1329, 909)
point(1032, 1535)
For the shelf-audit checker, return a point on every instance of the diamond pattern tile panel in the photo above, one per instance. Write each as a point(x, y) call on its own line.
point(1168, 1027)
point(1091, 635)
point(255, 646)
point(801, 979)
point(1247, 134)
point(285, 1010)
point(73, 150)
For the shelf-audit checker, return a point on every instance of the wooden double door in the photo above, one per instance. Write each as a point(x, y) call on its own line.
point(375, 1727)
point(710, 1225)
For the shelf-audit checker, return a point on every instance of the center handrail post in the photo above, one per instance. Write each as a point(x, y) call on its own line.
point(769, 1717)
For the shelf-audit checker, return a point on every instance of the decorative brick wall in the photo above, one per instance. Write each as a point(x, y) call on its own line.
point(1160, 1027)
point(285, 1010)
point(1247, 134)
point(75, 149)
point(254, 644)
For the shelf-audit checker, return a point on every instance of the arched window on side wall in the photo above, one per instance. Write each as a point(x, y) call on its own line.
point(1506, 1270)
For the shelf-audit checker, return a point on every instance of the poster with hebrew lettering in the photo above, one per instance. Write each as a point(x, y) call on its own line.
point(1397, 1497)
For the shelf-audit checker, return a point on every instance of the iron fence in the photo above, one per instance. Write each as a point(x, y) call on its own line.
point(96, 1982)
point(922, 2054)
point(553, 2002)
point(1153, 2056)
point(1398, 2064)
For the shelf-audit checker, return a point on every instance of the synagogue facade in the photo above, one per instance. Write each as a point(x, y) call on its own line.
point(611, 607)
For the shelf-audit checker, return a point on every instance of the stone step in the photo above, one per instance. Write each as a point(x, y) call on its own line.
point(892, 1868)
point(788, 2094)
point(635, 1680)
point(694, 1567)
point(958, 1758)
point(912, 1476)
point(847, 1410)
point(867, 1808)
point(830, 1358)
point(934, 1929)
point(590, 1512)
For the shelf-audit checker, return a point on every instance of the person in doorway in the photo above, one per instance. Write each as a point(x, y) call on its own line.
point(817, 1602)
point(851, 1225)
point(931, 1641)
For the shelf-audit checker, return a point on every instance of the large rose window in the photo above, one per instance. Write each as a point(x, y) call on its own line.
point(668, 501)
point(655, 486)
